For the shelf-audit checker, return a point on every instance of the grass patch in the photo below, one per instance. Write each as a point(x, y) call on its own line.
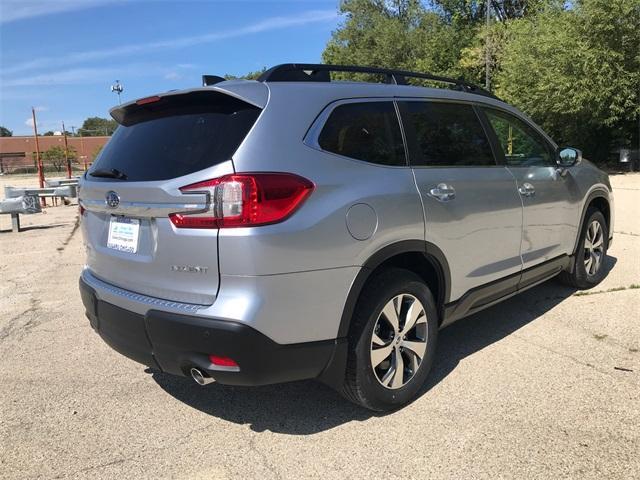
point(584, 293)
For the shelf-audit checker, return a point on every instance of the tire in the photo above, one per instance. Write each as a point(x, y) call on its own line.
point(583, 275)
point(392, 290)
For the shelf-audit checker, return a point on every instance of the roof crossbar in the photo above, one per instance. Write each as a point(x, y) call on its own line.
point(312, 72)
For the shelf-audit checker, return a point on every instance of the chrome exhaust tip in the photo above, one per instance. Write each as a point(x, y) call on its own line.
point(200, 377)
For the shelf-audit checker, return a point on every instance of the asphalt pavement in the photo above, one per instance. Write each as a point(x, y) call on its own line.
point(545, 385)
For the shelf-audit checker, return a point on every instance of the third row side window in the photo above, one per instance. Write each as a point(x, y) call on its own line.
point(367, 131)
point(449, 135)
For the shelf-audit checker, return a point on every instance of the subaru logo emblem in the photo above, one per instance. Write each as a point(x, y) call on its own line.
point(112, 199)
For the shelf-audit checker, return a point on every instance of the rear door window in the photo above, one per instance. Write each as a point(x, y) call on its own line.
point(175, 136)
point(448, 135)
point(367, 131)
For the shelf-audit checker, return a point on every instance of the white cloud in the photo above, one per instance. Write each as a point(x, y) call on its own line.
point(64, 77)
point(172, 76)
point(12, 10)
point(269, 24)
point(84, 76)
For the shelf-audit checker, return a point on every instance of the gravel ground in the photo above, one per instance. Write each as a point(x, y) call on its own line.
point(544, 385)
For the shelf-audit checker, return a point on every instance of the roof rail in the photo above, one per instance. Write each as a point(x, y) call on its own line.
point(314, 72)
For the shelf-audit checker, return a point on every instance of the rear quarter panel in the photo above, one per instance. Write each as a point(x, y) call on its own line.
point(316, 236)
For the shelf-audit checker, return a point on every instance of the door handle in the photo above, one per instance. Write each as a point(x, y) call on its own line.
point(527, 190)
point(443, 192)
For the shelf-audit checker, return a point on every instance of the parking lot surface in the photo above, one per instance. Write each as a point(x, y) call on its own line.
point(544, 385)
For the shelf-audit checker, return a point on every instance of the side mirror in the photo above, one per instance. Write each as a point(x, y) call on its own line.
point(568, 157)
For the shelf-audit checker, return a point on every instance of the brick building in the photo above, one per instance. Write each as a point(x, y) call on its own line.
point(18, 153)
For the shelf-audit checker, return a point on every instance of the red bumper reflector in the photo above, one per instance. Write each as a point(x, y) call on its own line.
point(222, 361)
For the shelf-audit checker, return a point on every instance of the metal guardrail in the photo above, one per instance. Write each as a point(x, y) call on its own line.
point(20, 200)
point(15, 206)
point(61, 182)
point(67, 191)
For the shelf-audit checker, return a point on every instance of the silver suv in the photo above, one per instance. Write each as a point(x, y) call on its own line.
point(294, 227)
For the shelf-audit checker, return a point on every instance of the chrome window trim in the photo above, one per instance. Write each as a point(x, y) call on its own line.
point(480, 104)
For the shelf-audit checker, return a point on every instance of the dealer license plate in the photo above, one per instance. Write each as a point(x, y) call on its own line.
point(123, 234)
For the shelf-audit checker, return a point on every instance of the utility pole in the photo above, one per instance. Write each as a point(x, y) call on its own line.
point(66, 152)
point(82, 155)
point(487, 55)
point(38, 159)
point(117, 88)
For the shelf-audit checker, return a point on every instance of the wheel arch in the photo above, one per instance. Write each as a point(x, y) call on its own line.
point(424, 258)
point(598, 198)
point(418, 256)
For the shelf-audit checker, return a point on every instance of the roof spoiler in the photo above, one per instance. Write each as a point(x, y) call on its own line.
point(208, 80)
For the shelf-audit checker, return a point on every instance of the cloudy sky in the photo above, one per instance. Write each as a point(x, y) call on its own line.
point(61, 56)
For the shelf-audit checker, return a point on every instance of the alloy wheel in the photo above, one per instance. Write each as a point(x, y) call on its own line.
point(593, 248)
point(399, 341)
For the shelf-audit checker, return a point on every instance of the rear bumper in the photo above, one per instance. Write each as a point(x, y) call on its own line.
point(174, 343)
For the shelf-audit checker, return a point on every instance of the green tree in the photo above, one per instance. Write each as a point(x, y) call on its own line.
point(5, 132)
point(473, 11)
point(446, 37)
point(95, 153)
point(577, 73)
point(97, 126)
point(400, 34)
point(56, 157)
point(248, 76)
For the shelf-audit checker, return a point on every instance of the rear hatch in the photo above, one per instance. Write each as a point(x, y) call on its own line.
point(162, 144)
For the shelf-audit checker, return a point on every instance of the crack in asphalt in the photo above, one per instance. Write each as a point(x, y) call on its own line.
point(14, 329)
point(627, 233)
point(130, 458)
point(564, 355)
point(264, 458)
point(93, 467)
point(9, 329)
point(66, 241)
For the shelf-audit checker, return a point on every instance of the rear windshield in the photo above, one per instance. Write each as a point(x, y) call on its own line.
point(175, 136)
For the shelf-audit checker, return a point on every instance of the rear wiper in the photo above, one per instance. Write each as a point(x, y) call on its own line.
point(109, 173)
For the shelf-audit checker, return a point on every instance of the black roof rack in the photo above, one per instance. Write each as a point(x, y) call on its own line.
point(313, 72)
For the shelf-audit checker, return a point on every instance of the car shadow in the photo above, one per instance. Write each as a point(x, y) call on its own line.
point(34, 227)
point(308, 407)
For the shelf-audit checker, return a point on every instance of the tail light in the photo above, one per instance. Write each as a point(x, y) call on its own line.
point(246, 200)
